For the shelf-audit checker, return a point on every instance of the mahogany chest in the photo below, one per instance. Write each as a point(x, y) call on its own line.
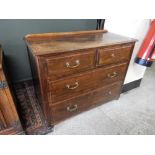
point(76, 71)
point(9, 120)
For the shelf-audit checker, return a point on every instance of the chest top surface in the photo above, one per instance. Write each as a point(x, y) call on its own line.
point(47, 43)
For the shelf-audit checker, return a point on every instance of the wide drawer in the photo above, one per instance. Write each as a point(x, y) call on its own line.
point(82, 83)
point(76, 105)
point(67, 64)
point(114, 55)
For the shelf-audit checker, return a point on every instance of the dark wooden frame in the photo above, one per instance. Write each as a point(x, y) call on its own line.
point(8, 111)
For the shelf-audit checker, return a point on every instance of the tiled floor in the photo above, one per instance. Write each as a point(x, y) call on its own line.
point(133, 113)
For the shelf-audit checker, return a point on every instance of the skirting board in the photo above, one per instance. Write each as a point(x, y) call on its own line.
point(131, 85)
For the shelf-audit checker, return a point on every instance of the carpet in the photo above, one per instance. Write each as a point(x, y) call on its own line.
point(30, 112)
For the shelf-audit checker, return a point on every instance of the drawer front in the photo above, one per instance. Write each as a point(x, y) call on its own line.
point(74, 106)
point(108, 56)
point(76, 85)
point(61, 66)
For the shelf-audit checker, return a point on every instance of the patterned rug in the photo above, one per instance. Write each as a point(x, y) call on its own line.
point(29, 109)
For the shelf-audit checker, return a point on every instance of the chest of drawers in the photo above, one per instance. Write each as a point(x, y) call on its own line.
point(75, 71)
point(9, 120)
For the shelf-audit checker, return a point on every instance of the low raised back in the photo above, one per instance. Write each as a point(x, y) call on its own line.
point(42, 36)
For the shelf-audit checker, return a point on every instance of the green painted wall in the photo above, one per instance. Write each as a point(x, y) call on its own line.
point(12, 32)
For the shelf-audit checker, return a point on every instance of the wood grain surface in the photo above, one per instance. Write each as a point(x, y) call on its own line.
point(74, 71)
point(56, 42)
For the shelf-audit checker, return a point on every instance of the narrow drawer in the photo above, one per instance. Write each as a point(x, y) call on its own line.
point(68, 64)
point(113, 55)
point(66, 109)
point(82, 83)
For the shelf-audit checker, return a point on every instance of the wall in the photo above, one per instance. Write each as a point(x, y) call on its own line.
point(13, 31)
point(135, 29)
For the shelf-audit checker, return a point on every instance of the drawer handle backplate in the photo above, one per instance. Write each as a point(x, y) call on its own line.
point(77, 63)
point(71, 109)
point(114, 74)
point(72, 87)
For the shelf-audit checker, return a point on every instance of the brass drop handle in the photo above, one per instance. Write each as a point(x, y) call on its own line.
point(113, 55)
point(73, 108)
point(72, 87)
point(77, 63)
point(114, 74)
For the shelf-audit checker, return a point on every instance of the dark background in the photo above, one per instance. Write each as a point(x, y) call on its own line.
point(12, 32)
